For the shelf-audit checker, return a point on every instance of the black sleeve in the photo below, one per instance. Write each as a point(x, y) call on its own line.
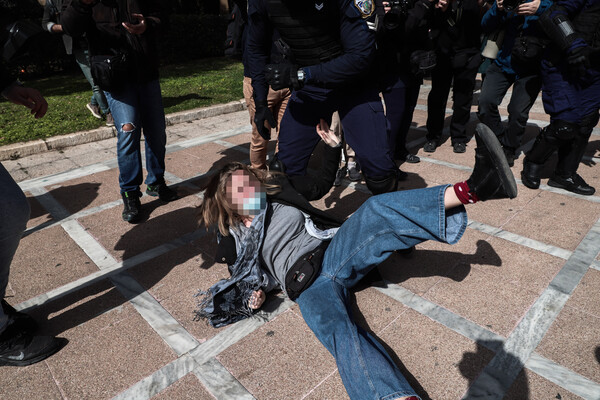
point(76, 19)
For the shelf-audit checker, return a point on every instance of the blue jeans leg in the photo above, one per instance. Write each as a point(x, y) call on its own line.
point(98, 97)
point(384, 223)
point(141, 106)
point(14, 214)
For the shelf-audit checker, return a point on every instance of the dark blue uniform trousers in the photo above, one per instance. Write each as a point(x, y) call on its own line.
point(363, 121)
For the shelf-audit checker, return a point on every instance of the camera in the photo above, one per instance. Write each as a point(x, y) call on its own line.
point(510, 5)
point(399, 10)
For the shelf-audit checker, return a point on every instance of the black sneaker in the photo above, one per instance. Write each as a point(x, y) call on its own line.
point(131, 206)
point(574, 183)
point(430, 146)
point(162, 191)
point(459, 147)
point(20, 321)
point(19, 348)
point(491, 177)
point(410, 158)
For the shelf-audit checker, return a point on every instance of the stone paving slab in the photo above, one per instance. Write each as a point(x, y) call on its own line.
point(517, 299)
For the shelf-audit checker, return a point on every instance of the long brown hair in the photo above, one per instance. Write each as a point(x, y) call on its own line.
point(215, 209)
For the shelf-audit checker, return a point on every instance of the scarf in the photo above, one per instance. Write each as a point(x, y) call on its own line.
point(226, 301)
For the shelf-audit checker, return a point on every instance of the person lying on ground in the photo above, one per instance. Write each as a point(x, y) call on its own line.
point(270, 236)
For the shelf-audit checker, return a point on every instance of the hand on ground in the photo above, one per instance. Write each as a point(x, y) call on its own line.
point(257, 299)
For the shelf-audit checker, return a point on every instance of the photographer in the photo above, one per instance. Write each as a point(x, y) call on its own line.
point(405, 55)
point(124, 60)
point(456, 28)
point(513, 66)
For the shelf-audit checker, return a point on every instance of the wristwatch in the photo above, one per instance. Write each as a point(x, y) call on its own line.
point(301, 75)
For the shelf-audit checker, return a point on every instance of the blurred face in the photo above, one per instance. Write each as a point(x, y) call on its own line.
point(245, 193)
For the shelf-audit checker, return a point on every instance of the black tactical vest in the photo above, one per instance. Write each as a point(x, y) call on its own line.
point(310, 28)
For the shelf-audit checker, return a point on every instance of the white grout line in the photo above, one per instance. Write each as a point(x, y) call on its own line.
point(521, 240)
point(442, 315)
point(564, 377)
point(167, 327)
point(220, 383)
point(159, 380)
point(500, 373)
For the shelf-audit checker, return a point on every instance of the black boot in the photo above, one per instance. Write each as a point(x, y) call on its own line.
point(162, 191)
point(131, 206)
point(21, 321)
point(491, 177)
point(531, 174)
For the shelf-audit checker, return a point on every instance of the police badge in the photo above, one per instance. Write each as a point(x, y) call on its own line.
point(365, 7)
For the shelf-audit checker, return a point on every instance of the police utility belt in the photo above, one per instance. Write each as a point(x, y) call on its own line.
point(304, 271)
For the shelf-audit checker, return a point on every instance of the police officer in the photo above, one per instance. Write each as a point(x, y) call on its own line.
point(330, 45)
point(403, 38)
point(570, 93)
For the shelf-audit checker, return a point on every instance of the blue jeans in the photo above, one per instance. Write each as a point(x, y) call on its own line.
point(14, 214)
point(98, 98)
point(141, 106)
point(384, 223)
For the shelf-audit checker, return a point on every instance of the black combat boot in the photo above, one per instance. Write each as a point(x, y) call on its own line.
point(491, 177)
point(131, 206)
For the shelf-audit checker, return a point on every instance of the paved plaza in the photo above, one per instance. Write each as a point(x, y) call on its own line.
point(510, 312)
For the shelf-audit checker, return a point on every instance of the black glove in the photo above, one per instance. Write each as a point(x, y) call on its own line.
point(282, 76)
point(579, 61)
point(263, 113)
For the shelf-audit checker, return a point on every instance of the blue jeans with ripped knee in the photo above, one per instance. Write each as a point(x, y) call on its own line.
point(384, 223)
point(139, 104)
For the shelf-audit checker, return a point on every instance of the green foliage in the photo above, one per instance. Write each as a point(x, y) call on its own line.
point(184, 86)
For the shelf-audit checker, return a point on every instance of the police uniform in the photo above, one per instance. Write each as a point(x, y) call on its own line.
point(332, 44)
point(570, 93)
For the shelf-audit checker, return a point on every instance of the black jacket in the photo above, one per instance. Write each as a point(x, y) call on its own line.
point(106, 36)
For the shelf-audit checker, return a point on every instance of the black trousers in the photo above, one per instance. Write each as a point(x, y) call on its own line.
point(462, 95)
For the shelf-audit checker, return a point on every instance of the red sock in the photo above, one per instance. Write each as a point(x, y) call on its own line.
point(464, 193)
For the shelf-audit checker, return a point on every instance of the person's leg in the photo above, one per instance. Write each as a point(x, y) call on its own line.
point(154, 129)
point(366, 369)
point(98, 97)
point(125, 108)
point(413, 86)
point(365, 130)
point(152, 116)
point(524, 94)
point(462, 95)
point(560, 99)
point(258, 145)
point(298, 136)
point(441, 80)
point(279, 105)
point(18, 345)
point(493, 90)
point(14, 214)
